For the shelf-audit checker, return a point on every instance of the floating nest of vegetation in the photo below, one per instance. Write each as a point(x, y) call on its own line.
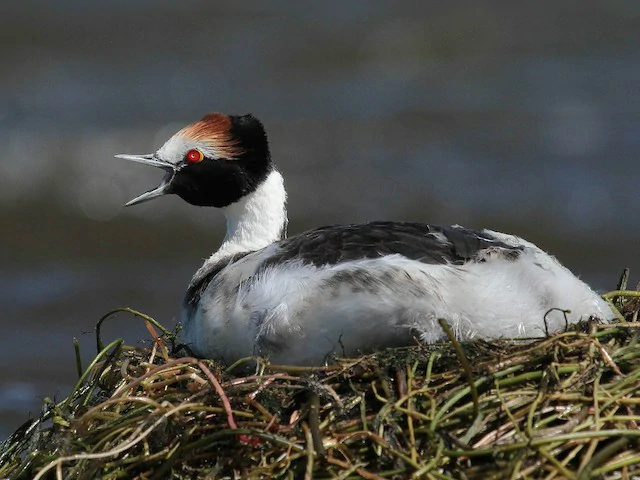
point(564, 406)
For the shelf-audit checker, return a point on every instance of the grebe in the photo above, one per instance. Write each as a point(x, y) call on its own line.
point(346, 289)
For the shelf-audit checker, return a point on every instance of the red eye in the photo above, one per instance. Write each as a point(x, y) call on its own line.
point(194, 156)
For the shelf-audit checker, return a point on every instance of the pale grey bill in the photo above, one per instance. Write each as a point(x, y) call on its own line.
point(150, 159)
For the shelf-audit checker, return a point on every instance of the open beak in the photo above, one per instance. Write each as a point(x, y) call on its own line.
point(164, 186)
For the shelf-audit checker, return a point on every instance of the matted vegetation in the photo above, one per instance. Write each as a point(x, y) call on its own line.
point(565, 406)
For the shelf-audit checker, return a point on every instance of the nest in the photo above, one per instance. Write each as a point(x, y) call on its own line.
point(564, 406)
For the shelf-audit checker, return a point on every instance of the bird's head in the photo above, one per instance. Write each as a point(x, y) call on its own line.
point(212, 162)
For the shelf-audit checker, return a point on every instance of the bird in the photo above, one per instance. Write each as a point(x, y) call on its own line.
point(343, 290)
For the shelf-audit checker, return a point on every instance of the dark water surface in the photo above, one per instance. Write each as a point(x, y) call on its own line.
point(522, 118)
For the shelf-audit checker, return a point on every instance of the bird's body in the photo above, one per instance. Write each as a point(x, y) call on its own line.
point(345, 289)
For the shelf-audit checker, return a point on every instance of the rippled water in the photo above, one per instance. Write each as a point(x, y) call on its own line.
point(524, 118)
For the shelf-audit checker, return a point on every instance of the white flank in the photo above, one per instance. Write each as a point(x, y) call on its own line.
point(306, 316)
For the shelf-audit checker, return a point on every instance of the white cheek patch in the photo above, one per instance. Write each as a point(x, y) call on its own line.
point(175, 149)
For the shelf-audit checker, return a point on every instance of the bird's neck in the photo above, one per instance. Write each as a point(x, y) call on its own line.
point(256, 220)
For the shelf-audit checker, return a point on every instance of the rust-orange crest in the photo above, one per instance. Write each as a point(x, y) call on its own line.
point(214, 131)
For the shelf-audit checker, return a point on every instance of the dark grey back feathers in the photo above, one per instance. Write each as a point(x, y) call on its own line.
point(332, 245)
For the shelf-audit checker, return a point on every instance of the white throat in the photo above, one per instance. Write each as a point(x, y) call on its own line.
point(255, 221)
point(258, 219)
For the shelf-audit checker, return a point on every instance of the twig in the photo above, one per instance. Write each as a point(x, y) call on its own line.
point(465, 364)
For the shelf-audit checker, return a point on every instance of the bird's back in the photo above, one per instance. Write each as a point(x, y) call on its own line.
point(357, 288)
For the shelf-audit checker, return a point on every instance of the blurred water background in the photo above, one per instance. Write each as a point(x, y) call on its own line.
point(519, 116)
